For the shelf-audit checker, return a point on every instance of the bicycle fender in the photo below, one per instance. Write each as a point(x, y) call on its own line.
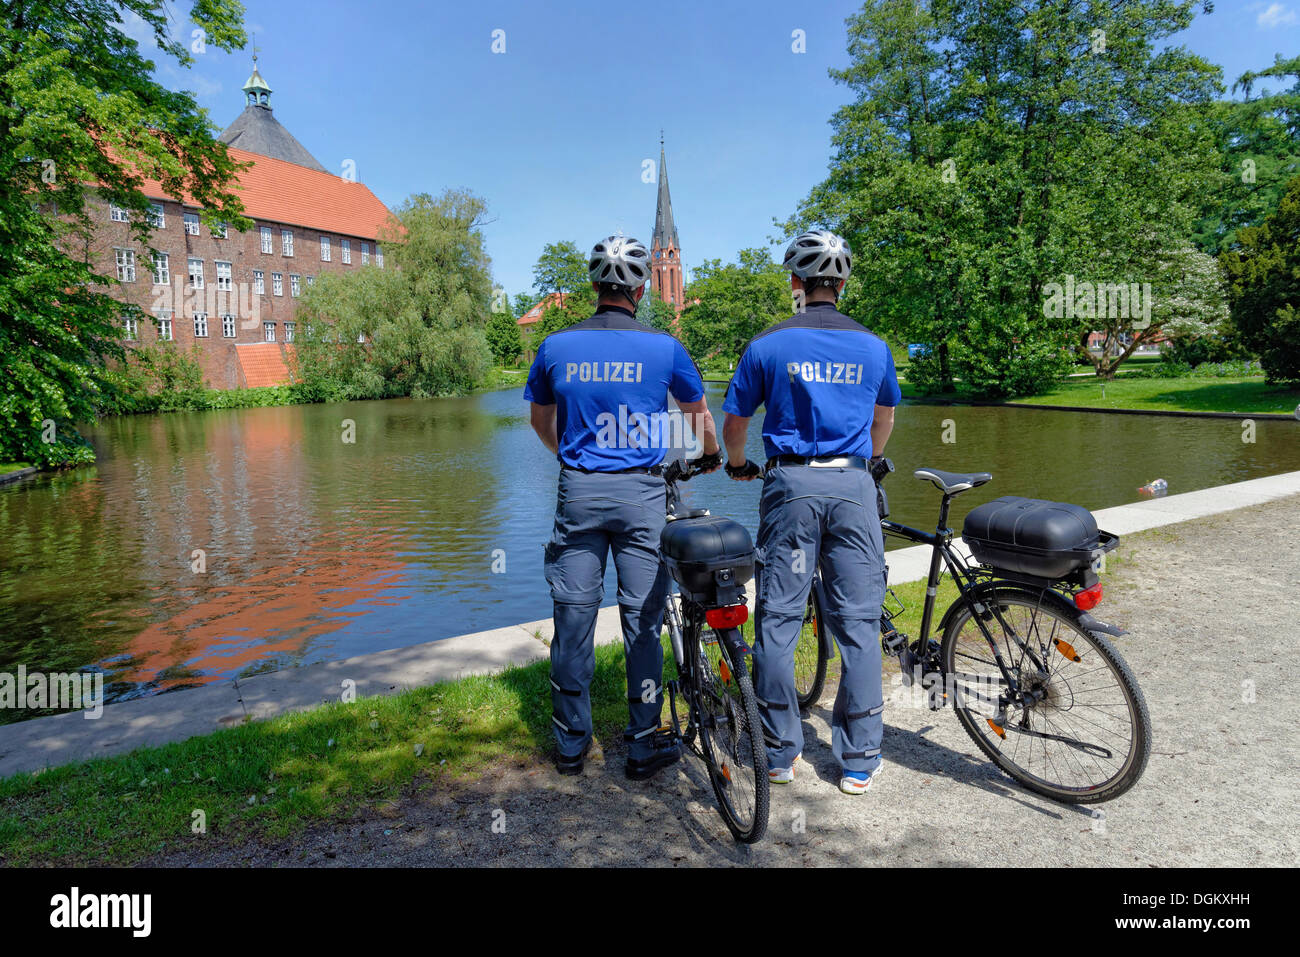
point(735, 642)
point(982, 593)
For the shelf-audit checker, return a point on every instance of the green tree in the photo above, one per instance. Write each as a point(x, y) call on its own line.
point(503, 337)
point(993, 148)
point(82, 120)
point(523, 302)
point(415, 329)
point(656, 313)
point(560, 268)
point(1259, 140)
point(737, 302)
point(1264, 288)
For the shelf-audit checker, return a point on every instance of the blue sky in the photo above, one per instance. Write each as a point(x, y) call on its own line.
point(553, 132)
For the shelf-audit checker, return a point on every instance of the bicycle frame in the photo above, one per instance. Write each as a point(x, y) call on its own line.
point(971, 584)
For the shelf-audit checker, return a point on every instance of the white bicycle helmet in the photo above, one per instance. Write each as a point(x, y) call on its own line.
point(620, 260)
point(819, 254)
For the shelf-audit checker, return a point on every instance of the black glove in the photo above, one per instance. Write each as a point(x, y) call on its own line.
point(706, 463)
point(745, 473)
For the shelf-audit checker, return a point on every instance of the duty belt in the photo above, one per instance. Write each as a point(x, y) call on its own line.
point(651, 470)
point(833, 462)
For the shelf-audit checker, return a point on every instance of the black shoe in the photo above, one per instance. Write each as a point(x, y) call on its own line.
point(572, 764)
point(643, 769)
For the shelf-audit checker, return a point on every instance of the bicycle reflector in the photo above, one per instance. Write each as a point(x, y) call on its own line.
point(1089, 597)
point(733, 616)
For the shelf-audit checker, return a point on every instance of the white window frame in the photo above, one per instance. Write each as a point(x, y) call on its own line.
point(164, 320)
point(259, 282)
point(311, 281)
point(162, 272)
point(157, 216)
point(191, 223)
point(286, 242)
point(365, 254)
point(345, 251)
point(295, 285)
point(190, 274)
point(200, 325)
point(289, 328)
point(277, 284)
point(228, 326)
point(132, 327)
point(268, 332)
point(267, 240)
point(324, 249)
point(379, 256)
point(125, 259)
point(219, 230)
point(225, 283)
point(117, 214)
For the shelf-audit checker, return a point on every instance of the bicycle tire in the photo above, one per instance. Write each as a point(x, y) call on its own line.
point(810, 655)
point(983, 732)
point(745, 831)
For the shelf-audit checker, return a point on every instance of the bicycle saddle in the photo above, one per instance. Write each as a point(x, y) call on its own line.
point(951, 483)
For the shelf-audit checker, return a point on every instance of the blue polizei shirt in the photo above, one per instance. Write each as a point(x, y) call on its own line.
point(610, 377)
point(820, 376)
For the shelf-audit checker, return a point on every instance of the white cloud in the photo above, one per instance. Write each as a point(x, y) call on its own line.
point(1277, 15)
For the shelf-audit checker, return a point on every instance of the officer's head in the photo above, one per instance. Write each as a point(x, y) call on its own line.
point(619, 268)
point(819, 264)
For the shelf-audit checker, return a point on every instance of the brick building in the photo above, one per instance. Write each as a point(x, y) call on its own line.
point(235, 294)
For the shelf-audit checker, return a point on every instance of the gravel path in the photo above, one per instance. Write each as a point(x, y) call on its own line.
point(1213, 608)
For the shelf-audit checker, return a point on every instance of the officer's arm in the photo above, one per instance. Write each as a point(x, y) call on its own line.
point(734, 429)
point(700, 419)
point(882, 424)
point(543, 420)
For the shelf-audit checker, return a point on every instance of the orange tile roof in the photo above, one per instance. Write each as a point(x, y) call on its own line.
point(280, 192)
point(264, 363)
point(535, 314)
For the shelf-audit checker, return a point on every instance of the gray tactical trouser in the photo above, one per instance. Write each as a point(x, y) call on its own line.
point(596, 513)
point(811, 517)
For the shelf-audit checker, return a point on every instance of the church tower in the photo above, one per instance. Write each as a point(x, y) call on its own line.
point(665, 250)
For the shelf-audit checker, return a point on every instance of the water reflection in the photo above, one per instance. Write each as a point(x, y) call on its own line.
point(316, 548)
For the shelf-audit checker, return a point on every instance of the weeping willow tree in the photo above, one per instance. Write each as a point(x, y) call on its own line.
point(415, 327)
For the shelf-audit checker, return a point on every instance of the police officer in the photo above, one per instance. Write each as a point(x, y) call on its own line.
point(599, 401)
point(829, 388)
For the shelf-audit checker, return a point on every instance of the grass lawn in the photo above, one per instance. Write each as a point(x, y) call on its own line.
point(500, 378)
point(7, 467)
point(273, 778)
point(1178, 395)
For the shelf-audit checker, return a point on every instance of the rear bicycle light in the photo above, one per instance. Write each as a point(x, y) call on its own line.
point(733, 616)
point(1088, 598)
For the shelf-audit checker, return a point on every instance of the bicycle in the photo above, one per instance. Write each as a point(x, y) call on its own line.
point(1050, 683)
point(711, 558)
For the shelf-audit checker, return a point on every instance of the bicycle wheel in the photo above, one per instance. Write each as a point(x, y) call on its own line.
point(731, 737)
point(1079, 732)
point(810, 657)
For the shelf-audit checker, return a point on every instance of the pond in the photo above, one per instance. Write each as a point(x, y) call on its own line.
point(209, 545)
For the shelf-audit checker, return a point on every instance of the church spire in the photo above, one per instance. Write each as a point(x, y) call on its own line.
point(665, 234)
point(665, 249)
